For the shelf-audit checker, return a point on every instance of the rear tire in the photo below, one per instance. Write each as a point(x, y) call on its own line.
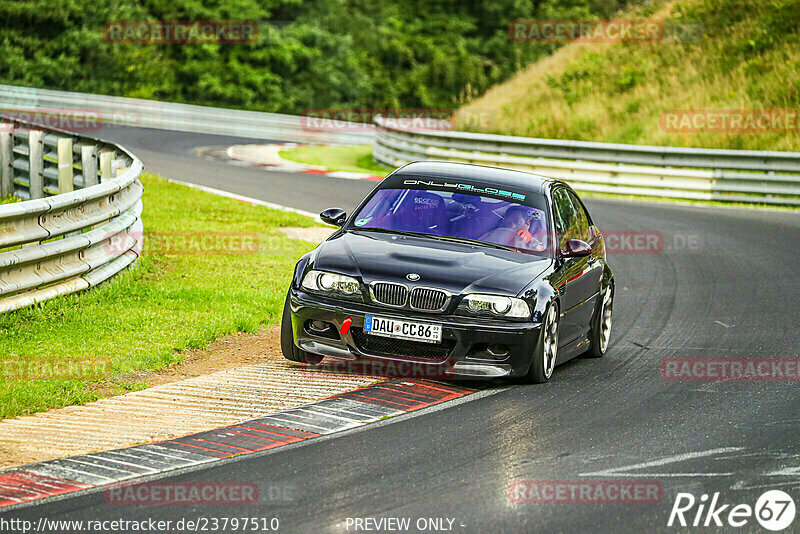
point(601, 324)
point(544, 357)
point(288, 348)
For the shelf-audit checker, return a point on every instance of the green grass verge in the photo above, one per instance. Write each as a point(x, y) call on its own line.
point(168, 303)
point(357, 158)
point(8, 200)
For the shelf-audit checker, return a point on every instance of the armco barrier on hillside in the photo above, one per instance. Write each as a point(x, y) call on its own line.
point(120, 111)
point(81, 199)
point(682, 173)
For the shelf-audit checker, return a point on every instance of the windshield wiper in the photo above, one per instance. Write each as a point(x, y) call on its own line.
point(469, 241)
point(388, 231)
point(452, 239)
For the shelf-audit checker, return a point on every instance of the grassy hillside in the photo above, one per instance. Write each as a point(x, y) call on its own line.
point(746, 59)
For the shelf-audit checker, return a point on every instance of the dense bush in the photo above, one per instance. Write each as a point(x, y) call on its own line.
point(327, 53)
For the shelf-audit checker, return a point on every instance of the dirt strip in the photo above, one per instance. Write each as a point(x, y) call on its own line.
point(248, 378)
point(238, 377)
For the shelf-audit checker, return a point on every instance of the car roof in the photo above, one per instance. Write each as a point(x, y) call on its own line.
point(518, 180)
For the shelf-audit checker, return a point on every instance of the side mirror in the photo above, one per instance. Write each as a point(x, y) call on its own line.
point(334, 216)
point(576, 248)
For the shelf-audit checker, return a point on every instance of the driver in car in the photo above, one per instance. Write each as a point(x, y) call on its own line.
point(522, 228)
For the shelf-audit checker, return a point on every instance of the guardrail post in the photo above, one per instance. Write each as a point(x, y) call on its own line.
point(89, 166)
point(39, 271)
point(65, 176)
point(36, 164)
point(118, 166)
point(105, 165)
point(6, 159)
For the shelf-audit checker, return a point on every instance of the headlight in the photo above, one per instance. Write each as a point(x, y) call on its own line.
point(497, 305)
point(332, 282)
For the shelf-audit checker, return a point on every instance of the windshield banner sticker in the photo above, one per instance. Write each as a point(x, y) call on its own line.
point(468, 187)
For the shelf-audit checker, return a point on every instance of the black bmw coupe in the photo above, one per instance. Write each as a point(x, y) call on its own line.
point(459, 270)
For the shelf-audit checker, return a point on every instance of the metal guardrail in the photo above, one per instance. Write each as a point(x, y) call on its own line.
point(180, 117)
point(80, 224)
point(682, 173)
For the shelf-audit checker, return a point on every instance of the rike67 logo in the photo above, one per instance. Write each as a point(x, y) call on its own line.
point(774, 510)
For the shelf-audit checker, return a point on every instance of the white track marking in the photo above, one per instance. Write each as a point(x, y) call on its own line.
point(622, 471)
point(786, 471)
point(742, 485)
point(249, 200)
point(347, 175)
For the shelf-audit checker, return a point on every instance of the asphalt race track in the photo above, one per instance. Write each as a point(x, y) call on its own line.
point(722, 284)
point(171, 154)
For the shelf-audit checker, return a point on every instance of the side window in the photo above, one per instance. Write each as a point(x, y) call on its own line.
point(565, 217)
point(581, 219)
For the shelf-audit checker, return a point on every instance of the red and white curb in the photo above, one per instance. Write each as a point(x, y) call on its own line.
point(334, 414)
point(267, 157)
point(345, 174)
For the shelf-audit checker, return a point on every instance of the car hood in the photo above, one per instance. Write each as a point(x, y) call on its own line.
point(457, 267)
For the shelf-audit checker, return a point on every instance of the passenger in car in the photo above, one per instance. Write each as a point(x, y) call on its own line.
point(538, 231)
point(515, 229)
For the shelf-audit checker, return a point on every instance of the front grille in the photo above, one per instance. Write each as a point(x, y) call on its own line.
point(389, 294)
point(414, 350)
point(424, 298)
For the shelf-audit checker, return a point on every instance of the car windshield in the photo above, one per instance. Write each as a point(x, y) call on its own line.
point(461, 216)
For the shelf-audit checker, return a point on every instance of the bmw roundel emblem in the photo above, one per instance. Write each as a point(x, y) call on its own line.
point(412, 276)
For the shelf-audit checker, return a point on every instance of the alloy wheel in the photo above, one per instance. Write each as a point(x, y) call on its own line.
point(605, 318)
point(550, 349)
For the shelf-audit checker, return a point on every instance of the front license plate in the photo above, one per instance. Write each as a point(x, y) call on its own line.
point(381, 326)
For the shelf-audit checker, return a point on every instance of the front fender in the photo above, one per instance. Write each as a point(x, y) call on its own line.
point(300, 268)
point(538, 295)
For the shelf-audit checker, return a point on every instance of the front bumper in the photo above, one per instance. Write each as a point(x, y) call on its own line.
point(458, 356)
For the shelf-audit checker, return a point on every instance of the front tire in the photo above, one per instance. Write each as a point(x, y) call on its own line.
point(544, 357)
point(288, 348)
point(601, 324)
